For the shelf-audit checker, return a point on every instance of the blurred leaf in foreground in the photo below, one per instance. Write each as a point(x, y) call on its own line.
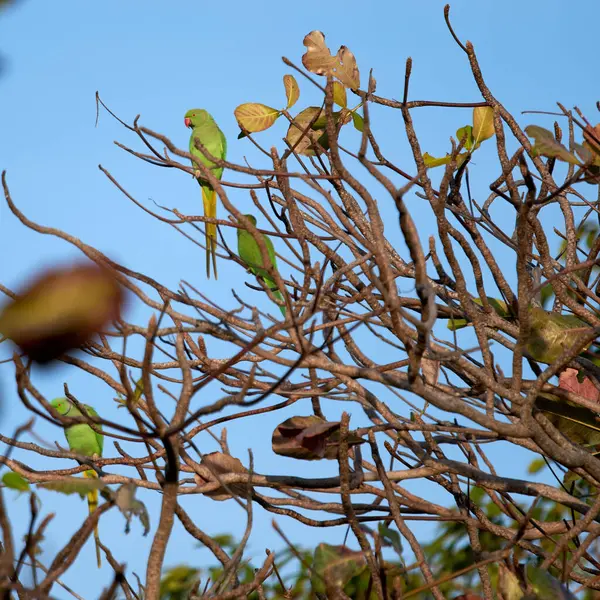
point(62, 310)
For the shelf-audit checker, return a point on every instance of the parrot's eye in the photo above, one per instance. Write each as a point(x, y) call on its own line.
point(194, 115)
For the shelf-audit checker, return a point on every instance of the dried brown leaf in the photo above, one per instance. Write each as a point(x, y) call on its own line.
point(318, 59)
point(346, 69)
point(218, 463)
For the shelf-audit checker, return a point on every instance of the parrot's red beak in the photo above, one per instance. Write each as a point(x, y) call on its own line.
point(187, 121)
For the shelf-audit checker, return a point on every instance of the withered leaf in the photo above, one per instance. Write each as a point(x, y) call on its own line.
point(218, 463)
point(346, 69)
point(309, 438)
point(318, 59)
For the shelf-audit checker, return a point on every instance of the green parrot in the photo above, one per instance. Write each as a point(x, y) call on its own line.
point(82, 439)
point(207, 133)
point(249, 252)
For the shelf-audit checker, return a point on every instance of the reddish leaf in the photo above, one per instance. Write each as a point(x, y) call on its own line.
point(569, 380)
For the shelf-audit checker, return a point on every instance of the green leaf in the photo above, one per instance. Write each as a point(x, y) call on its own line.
point(358, 122)
point(254, 117)
point(467, 133)
point(14, 481)
point(339, 94)
point(292, 91)
point(72, 485)
point(547, 145)
point(335, 565)
point(483, 124)
point(536, 465)
point(178, 583)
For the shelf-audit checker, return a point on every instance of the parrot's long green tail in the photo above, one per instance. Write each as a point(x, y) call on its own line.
point(279, 296)
point(209, 199)
point(92, 498)
point(273, 287)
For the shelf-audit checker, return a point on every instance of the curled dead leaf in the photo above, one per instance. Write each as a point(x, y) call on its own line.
point(319, 60)
point(216, 464)
point(309, 438)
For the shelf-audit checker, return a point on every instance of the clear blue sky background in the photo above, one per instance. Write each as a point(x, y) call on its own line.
point(159, 59)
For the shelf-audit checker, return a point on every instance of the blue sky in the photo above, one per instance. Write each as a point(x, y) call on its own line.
point(158, 60)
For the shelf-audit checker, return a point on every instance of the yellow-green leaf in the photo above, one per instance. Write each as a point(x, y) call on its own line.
point(431, 161)
point(536, 465)
point(14, 481)
point(465, 133)
point(292, 91)
point(254, 117)
point(483, 124)
point(547, 145)
point(339, 94)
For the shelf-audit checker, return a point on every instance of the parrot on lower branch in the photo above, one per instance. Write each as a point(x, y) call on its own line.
point(249, 252)
point(82, 439)
point(207, 133)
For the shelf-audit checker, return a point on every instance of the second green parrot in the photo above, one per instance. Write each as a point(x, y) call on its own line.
point(207, 133)
point(82, 439)
point(249, 252)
